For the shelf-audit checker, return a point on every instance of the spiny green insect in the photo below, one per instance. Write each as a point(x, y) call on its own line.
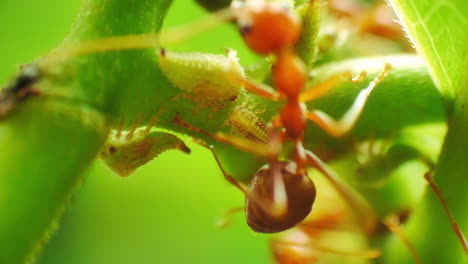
point(213, 81)
point(210, 80)
point(125, 151)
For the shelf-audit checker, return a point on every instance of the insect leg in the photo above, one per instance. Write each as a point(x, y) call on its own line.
point(120, 127)
point(153, 121)
point(364, 254)
point(298, 246)
point(364, 212)
point(279, 207)
point(256, 148)
point(392, 223)
point(324, 87)
point(133, 128)
point(349, 119)
point(260, 89)
point(226, 175)
point(456, 228)
point(145, 40)
point(226, 219)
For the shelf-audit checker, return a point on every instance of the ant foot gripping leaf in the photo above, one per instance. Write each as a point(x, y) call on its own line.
point(124, 152)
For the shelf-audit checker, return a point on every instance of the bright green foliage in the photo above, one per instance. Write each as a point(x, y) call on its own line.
point(307, 46)
point(125, 152)
point(35, 187)
point(81, 98)
point(49, 140)
point(438, 30)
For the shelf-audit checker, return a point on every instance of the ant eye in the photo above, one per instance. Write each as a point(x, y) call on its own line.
point(112, 149)
point(232, 98)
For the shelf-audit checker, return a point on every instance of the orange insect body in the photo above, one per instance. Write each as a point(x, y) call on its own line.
point(267, 27)
point(272, 28)
point(275, 29)
point(289, 74)
point(293, 119)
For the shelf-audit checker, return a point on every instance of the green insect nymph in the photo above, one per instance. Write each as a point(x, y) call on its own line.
point(213, 77)
point(124, 151)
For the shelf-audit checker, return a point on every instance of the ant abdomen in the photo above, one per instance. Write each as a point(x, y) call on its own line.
point(300, 195)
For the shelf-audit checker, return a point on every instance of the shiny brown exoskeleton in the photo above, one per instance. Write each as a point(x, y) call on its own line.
point(300, 193)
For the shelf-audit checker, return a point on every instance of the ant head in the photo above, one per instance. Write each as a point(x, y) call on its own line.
point(300, 194)
point(267, 27)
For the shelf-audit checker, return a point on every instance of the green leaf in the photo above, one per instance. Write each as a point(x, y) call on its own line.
point(50, 138)
point(103, 87)
point(438, 30)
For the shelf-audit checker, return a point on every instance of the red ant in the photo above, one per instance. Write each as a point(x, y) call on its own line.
point(281, 194)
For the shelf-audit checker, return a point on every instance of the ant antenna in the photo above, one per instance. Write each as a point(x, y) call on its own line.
point(143, 41)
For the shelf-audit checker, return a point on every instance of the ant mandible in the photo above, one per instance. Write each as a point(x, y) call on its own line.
point(281, 194)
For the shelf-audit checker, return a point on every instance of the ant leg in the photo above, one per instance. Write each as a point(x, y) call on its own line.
point(363, 254)
point(300, 157)
point(259, 149)
point(257, 88)
point(393, 224)
point(226, 175)
point(349, 119)
point(365, 213)
point(226, 219)
point(310, 245)
point(256, 148)
point(280, 197)
point(145, 40)
point(456, 228)
point(324, 87)
point(251, 85)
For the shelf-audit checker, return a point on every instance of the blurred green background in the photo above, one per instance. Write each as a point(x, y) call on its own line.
point(164, 213)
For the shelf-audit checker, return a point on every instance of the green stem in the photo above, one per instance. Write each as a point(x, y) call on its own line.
point(51, 138)
point(429, 228)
